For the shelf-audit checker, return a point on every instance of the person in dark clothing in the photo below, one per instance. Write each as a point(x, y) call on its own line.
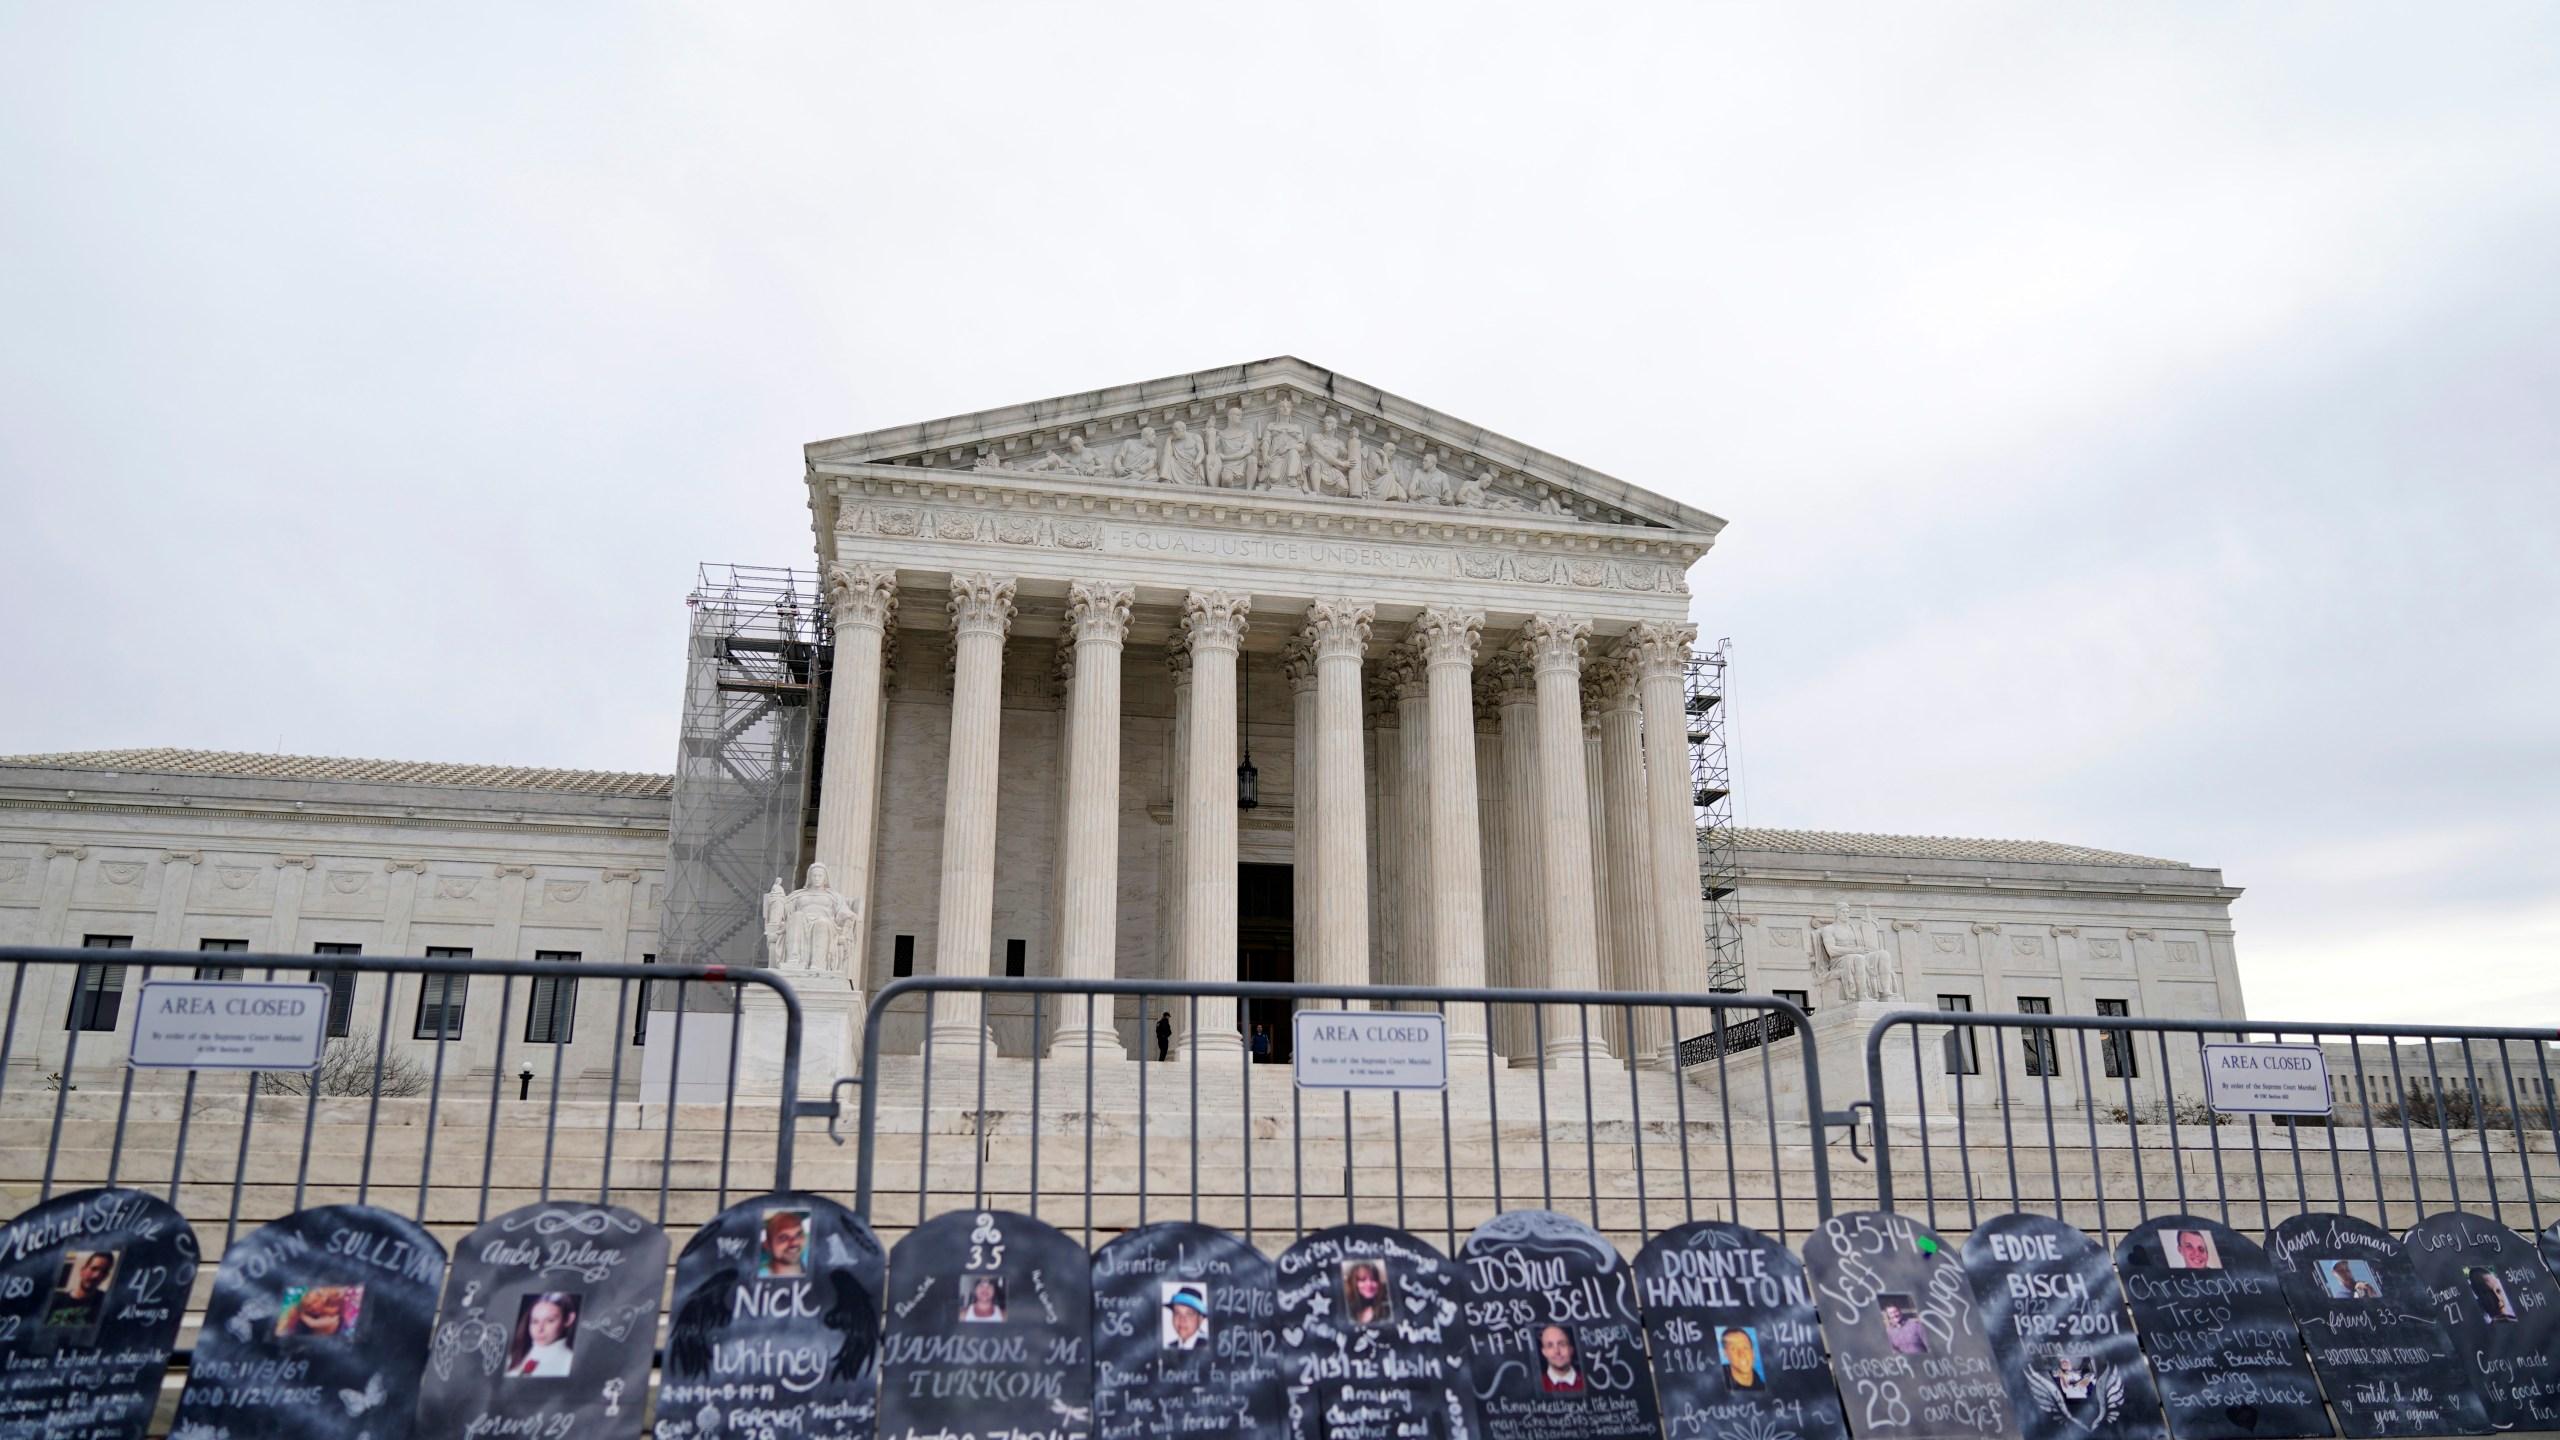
point(1164, 1036)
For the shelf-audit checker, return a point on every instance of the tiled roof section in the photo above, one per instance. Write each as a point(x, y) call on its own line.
point(1939, 847)
point(374, 772)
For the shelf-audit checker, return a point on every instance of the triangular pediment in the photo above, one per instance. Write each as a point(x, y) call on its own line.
point(1279, 425)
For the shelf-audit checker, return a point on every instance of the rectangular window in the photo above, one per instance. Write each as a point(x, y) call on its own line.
point(1803, 999)
point(2117, 1045)
point(902, 957)
point(342, 987)
point(1961, 1059)
point(97, 995)
point(640, 1018)
point(440, 997)
point(222, 972)
point(2043, 1057)
point(551, 1009)
point(1014, 956)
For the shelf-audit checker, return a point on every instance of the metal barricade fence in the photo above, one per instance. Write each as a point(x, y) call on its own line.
point(434, 1120)
point(1101, 1143)
point(2105, 1121)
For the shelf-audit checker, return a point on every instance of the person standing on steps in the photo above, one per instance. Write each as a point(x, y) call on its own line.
point(1164, 1036)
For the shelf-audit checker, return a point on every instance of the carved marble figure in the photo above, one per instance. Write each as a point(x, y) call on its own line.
point(1381, 481)
point(1850, 954)
point(1184, 458)
point(1232, 452)
point(1079, 460)
point(1137, 457)
point(1335, 461)
point(1283, 456)
point(1430, 484)
point(810, 929)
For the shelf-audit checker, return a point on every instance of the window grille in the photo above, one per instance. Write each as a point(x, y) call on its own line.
point(342, 988)
point(441, 997)
point(551, 1011)
point(97, 995)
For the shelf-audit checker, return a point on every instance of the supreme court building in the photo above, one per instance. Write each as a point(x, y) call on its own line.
point(1059, 631)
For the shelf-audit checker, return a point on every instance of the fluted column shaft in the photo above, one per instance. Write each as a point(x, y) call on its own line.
point(1411, 693)
point(1661, 653)
point(1098, 619)
point(1338, 633)
point(1298, 662)
point(1177, 661)
point(1215, 621)
point(1554, 643)
point(981, 614)
point(865, 600)
point(1595, 799)
point(1448, 635)
point(1524, 853)
point(1629, 834)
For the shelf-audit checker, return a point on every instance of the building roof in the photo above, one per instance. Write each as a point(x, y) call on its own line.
point(1938, 847)
point(239, 765)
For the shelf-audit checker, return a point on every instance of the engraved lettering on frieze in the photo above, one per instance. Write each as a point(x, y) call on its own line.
point(1278, 550)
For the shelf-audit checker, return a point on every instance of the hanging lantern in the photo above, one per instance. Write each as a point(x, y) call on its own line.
point(1248, 779)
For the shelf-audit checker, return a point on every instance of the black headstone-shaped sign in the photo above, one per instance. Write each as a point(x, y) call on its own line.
point(92, 1285)
point(2057, 1321)
point(1737, 1344)
point(989, 1328)
point(1555, 1346)
point(1907, 1343)
point(777, 1312)
point(1182, 1341)
point(2222, 1343)
point(2499, 1300)
point(2380, 1349)
point(1370, 1346)
point(550, 1320)
point(317, 1329)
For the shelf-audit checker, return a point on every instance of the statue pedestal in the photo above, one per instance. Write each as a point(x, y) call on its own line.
point(1839, 1039)
point(831, 1012)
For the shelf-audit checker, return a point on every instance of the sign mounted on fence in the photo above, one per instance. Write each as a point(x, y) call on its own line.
point(230, 1025)
point(1370, 1050)
point(2267, 1079)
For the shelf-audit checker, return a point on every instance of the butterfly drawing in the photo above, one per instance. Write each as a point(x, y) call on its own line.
point(253, 1312)
point(370, 1397)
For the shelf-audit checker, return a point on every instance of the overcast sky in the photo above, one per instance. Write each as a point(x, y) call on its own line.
point(2139, 425)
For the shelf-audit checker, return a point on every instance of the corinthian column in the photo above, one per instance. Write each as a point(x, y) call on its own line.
point(1409, 689)
point(1554, 645)
point(1098, 619)
point(1215, 621)
point(1338, 632)
point(1629, 838)
point(981, 613)
point(1298, 662)
point(1660, 653)
point(865, 600)
point(1447, 636)
point(1172, 876)
point(1596, 808)
point(1524, 853)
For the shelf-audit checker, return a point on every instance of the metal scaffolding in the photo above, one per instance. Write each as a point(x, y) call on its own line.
point(1711, 794)
point(755, 688)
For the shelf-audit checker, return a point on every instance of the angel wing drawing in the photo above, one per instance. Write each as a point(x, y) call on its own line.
point(851, 1317)
point(703, 1315)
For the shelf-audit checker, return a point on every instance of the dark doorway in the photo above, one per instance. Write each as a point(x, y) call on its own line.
point(1266, 949)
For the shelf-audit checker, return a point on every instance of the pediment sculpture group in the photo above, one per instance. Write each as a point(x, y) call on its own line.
point(1283, 456)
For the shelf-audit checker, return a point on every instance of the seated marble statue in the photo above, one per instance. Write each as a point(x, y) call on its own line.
point(811, 929)
point(1850, 954)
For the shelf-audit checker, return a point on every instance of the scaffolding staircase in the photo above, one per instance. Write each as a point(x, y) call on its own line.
point(1711, 795)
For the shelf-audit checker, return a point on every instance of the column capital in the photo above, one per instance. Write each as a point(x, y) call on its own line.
point(1339, 627)
point(1215, 619)
point(1062, 672)
point(1406, 675)
point(1098, 611)
point(1514, 683)
point(862, 595)
point(1612, 682)
point(1448, 634)
point(981, 604)
point(1298, 662)
point(1486, 693)
point(1177, 657)
point(1553, 641)
point(1659, 647)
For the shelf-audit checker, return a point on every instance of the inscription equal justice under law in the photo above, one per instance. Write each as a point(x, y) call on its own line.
point(1283, 550)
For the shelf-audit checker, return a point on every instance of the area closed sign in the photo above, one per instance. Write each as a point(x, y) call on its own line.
point(2267, 1079)
point(1370, 1050)
point(230, 1025)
